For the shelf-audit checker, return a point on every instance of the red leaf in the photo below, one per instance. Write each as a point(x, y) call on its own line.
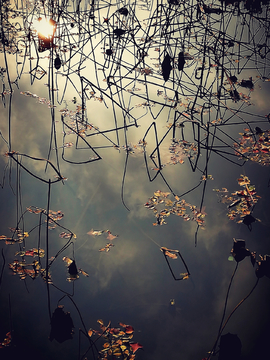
point(29, 252)
point(129, 329)
point(135, 347)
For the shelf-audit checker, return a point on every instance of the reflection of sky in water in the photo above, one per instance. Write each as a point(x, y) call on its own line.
point(132, 282)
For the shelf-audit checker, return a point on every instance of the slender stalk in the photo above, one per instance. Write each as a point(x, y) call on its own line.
point(47, 249)
point(227, 296)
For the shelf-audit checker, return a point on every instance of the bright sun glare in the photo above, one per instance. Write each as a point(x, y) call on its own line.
point(44, 27)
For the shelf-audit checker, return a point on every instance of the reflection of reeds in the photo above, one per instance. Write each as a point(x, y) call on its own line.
point(224, 310)
point(239, 252)
point(175, 254)
point(170, 67)
point(212, 352)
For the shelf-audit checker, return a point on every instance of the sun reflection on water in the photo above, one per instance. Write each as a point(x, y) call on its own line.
point(44, 27)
